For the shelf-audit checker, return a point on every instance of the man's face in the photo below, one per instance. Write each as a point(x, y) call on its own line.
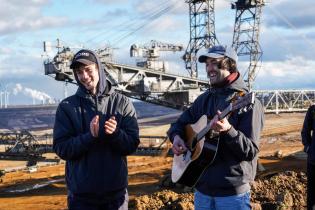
point(88, 76)
point(215, 74)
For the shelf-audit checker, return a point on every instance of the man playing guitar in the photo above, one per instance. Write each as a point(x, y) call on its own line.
point(224, 184)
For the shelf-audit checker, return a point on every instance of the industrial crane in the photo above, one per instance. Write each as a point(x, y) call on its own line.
point(150, 53)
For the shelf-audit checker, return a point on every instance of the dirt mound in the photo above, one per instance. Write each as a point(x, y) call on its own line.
point(285, 190)
point(165, 199)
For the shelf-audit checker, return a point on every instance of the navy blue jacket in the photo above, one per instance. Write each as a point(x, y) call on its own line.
point(308, 137)
point(95, 167)
point(236, 160)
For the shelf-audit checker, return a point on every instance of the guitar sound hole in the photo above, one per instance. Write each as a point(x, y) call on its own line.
point(193, 145)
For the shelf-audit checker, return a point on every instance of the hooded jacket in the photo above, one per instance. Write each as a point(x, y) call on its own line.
point(308, 137)
point(96, 168)
point(236, 159)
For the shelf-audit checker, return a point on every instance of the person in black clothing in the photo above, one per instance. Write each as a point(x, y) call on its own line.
point(224, 185)
point(95, 129)
point(308, 140)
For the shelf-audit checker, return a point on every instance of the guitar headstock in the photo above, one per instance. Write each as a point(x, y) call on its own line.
point(243, 101)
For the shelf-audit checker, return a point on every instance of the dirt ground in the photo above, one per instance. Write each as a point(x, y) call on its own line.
point(280, 183)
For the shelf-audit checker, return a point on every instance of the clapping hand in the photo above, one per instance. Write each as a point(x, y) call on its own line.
point(94, 126)
point(110, 125)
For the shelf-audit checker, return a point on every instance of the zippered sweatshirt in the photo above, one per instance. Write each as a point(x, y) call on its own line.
point(236, 159)
point(308, 137)
point(96, 168)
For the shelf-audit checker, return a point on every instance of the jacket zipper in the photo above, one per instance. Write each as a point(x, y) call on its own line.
point(96, 105)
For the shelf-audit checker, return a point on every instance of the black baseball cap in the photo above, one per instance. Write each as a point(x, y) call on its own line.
point(84, 57)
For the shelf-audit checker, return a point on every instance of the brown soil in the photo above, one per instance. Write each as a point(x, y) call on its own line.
point(285, 190)
point(281, 185)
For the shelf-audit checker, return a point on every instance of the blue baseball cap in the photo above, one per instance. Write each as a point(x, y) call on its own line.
point(219, 51)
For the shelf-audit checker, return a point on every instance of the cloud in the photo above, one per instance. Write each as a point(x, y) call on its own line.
point(178, 7)
point(109, 1)
point(147, 19)
point(166, 27)
point(116, 13)
point(277, 44)
point(16, 16)
point(28, 25)
point(5, 50)
point(222, 5)
point(290, 14)
point(294, 66)
point(287, 56)
point(293, 72)
point(154, 7)
point(20, 63)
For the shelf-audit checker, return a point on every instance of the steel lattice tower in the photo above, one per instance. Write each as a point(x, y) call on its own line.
point(202, 32)
point(246, 35)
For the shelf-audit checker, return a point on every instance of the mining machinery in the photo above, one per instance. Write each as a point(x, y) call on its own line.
point(139, 82)
point(246, 35)
point(59, 65)
point(202, 32)
point(22, 145)
point(150, 81)
point(150, 52)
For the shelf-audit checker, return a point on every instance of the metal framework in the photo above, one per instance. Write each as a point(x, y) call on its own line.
point(202, 32)
point(278, 101)
point(178, 92)
point(22, 145)
point(246, 35)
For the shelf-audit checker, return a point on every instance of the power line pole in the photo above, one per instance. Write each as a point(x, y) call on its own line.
point(202, 32)
point(246, 35)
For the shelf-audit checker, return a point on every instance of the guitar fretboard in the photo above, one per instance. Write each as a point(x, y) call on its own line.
point(243, 101)
point(206, 129)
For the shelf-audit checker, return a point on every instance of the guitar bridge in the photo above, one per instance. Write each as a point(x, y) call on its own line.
point(187, 156)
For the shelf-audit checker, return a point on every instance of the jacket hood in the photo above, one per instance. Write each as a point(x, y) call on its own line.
point(102, 84)
point(238, 85)
point(109, 89)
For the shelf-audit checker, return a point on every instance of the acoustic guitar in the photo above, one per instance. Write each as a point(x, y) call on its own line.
point(202, 145)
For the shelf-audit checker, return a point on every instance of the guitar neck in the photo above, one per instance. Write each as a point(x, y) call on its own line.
point(243, 101)
point(206, 129)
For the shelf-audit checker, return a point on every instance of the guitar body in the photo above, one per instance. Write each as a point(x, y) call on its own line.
point(187, 168)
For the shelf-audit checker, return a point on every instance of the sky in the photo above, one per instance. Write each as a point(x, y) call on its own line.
point(287, 39)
